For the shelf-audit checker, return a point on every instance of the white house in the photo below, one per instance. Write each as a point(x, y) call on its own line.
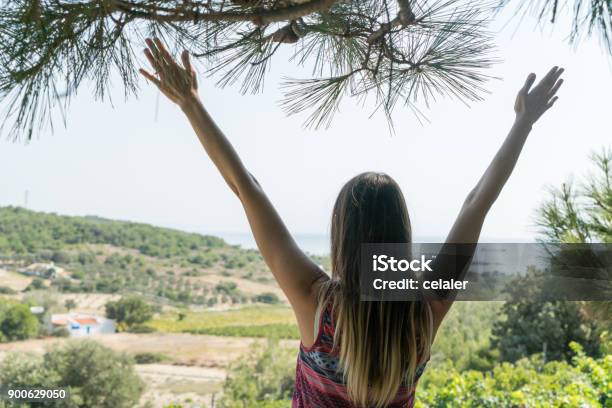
point(80, 325)
point(37, 310)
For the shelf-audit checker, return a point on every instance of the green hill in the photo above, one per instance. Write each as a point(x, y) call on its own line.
point(25, 231)
point(93, 254)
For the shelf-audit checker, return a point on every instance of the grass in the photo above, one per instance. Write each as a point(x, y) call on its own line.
point(276, 331)
point(251, 321)
point(197, 387)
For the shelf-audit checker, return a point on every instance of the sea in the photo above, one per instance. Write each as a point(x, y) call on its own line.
point(315, 244)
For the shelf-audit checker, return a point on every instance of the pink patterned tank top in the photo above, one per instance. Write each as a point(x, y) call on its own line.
point(318, 378)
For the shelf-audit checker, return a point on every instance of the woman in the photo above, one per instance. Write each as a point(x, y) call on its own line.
point(352, 353)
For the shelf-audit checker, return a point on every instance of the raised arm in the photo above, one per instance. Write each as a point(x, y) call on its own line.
point(293, 270)
point(530, 104)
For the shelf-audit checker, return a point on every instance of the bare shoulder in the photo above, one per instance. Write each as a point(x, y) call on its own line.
point(306, 312)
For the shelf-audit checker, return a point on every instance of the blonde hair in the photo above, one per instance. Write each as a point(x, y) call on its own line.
point(380, 344)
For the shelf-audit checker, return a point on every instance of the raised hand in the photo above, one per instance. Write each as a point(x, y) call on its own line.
point(532, 103)
point(177, 82)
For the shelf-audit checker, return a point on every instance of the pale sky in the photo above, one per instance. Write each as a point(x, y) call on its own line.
point(126, 162)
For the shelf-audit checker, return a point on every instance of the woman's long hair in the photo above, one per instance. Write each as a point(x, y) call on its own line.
point(380, 343)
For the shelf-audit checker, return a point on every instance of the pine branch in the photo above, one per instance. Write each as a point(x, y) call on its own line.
point(201, 13)
point(321, 95)
point(404, 17)
point(445, 53)
point(390, 49)
point(588, 17)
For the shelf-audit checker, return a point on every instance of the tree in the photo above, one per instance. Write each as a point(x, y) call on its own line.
point(60, 257)
point(36, 284)
point(572, 215)
point(582, 213)
point(129, 310)
point(226, 287)
point(95, 375)
point(533, 326)
point(392, 50)
point(70, 304)
point(17, 323)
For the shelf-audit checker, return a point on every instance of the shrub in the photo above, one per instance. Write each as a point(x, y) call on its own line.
point(226, 288)
point(36, 284)
point(5, 290)
point(264, 377)
point(17, 322)
point(267, 297)
point(60, 332)
point(96, 375)
point(528, 383)
point(60, 257)
point(549, 328)
point(129, 311)
point(150, 358)
point(141, 328)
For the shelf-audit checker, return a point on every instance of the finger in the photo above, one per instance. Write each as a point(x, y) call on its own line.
point(528, 83)
point(189, 68)
point(152, 47)
point(194, 79)
point(550, 75)
point(552, 102)
point(152, 53)
point(164, 52)
point(552, 80)
point(185, 60)
point(149, 76)
point(152, 60)
point(156, 54)
point(555, 88)
point(187, 65)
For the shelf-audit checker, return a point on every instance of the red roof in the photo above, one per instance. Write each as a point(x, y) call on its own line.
point(60, 322)
point(86, 320)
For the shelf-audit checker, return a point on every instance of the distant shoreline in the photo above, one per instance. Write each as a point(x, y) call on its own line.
point(318, 244)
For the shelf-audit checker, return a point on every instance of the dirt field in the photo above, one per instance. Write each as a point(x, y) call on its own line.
point(88, 302)
point(14, 280)
point(248, 287)
point(184, 349)
point(189, 386)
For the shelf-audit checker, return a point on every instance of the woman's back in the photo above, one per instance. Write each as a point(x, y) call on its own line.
point(319, 379)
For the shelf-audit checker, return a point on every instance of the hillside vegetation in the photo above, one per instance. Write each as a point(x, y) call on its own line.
point(96, 255)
